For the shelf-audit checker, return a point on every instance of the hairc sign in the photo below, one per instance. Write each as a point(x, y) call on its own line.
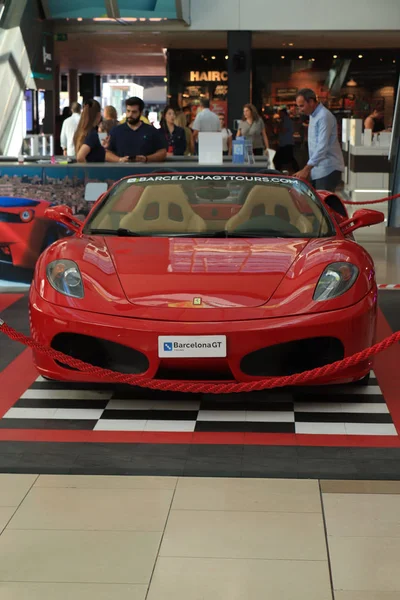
point(208, 76)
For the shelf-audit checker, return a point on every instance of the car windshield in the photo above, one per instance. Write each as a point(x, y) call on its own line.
point(211, 205)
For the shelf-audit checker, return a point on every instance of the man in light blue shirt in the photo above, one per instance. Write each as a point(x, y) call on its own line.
point(326, 164)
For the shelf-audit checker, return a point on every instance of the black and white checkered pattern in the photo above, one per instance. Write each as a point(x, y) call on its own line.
point(322, 410)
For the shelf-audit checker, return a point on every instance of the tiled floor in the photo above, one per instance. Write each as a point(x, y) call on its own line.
point(120, 538)
point(387, 260)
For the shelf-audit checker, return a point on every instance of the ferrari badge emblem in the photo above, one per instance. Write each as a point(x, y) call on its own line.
point(197, 301)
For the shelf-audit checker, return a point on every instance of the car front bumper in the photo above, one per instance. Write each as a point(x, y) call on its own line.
point(354, 327)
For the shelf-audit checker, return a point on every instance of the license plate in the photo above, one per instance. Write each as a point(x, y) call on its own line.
point(191, 346)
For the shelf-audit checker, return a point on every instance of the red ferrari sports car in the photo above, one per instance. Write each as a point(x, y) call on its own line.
point(25, 231)
point(213, 277)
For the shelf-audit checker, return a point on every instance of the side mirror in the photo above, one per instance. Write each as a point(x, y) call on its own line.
point(63, 214)
point(361, 218)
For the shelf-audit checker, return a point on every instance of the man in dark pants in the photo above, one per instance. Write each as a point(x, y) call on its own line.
point(326, 164)
point(285, 154)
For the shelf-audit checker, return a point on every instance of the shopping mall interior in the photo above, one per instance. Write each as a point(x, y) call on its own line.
point(199, 300)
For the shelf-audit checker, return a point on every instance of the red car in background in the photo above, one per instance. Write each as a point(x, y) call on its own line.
point(25, 232)
point(210, 276)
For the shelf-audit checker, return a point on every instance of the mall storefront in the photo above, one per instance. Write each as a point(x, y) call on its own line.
point(350, 82)
point(194, 74)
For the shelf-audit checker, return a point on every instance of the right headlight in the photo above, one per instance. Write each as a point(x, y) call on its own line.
point(336, 279)
point(65, 277)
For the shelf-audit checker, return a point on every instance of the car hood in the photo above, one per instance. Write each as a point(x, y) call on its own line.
point(208, 273)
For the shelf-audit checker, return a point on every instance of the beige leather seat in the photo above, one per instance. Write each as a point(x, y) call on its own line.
point(163, 208)
point(118, 206)
point(263, 200)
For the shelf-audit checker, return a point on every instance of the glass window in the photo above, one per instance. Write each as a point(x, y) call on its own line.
point(211, 206)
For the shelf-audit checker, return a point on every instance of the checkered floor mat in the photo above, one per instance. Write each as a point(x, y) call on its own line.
point(348, 410)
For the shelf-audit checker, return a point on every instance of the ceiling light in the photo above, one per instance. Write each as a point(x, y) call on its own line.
point(300, 57)
point(213, 58)
point(360, 56)
point(312, 59)
point(79, 19)
point(226, 57)
point(291, 44)
point(282, 57)
point(335, 56)
point(351, 83)
point(394, 61)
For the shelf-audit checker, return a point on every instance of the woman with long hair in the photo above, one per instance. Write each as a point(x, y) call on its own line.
point(252, 127)
point(181, 121)
point(88, 147)
point(175, 136)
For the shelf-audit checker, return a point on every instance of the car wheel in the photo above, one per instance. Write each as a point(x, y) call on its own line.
point(362, 382)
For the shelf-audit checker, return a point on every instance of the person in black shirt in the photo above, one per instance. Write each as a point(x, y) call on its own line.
point(88, 147)
point(135, 141)
point(175, 136)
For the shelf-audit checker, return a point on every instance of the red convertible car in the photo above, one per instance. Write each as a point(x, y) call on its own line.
point(215, 276)
point(25, 232)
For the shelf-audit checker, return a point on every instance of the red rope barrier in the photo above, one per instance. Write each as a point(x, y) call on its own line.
point(372, 201)
point(228, 387)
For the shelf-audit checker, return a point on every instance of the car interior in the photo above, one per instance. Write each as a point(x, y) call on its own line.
point(181, 208)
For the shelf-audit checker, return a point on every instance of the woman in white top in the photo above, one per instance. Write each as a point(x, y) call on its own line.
point(252, 127)
point(226, 137)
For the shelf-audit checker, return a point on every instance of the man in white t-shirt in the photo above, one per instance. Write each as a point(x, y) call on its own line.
point(205, 120)
point(68, 130)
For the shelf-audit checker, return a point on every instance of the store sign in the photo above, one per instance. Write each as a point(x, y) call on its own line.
point(208, 76)
point(286, 93)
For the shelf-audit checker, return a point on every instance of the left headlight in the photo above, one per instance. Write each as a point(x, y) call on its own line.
point(336, 279)
point(65, 277)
